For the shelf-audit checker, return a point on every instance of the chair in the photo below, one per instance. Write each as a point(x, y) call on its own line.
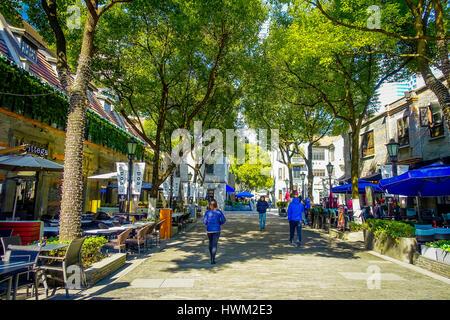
point(120, 241)
point(57, 269)
point(425, 235)
point(156, 233)
point(441, 234)
point(6, 233)
point(26, 278)
point(13, 240)
point(102, 225)
point(139, 239)
point(149, 234)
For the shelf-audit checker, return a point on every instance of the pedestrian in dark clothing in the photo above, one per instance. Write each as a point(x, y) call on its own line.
point(295, 211)
point(261, 207)
point(213, 219)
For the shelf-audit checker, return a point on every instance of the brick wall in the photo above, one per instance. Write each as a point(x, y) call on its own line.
point(100, 270)
point(433, 266)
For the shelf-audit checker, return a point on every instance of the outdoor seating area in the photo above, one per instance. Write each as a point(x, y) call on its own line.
point(32, 266)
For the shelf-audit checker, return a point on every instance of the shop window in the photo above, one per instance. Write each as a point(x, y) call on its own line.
point(403, 131)
point(436, 125)
point(296, 172)
point(209, 168)
point(29, 50)
point(319, 172)
point(280, 173)
point(367, 144)
point(318, 154)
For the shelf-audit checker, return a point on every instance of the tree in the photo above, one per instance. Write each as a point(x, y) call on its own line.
point(172, 63)
point(253, 176)
point(275, 101)
point(335, 65)
point(420, 29)
point(50, 18)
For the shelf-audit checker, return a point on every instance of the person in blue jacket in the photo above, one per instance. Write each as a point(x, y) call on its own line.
point(307, 210)
point(261, 207)
point(213, 219)
point(294, 213)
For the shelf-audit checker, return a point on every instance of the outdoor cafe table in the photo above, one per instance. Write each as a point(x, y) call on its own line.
point(8, 269)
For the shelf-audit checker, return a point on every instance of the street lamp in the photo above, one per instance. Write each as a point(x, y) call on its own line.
point(131, 148)
point(392, 148)
point(330, 171)
point(189, 186)
point(302, 176)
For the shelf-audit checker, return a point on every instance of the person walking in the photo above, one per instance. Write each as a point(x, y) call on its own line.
point(261, 207)
point(295, 211)
point(213, 220)
point(306, 211)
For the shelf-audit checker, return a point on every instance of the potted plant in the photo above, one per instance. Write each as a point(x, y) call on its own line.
point(204, 205)
point(281, 205)
point(437, 250)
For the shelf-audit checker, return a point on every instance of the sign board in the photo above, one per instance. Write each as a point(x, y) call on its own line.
point(185, 189)
point(192, 190)
point(122, 178)
point(176, 187)
point(166, 187)
point(386, 170)
point(138, 174)
point(369, 196)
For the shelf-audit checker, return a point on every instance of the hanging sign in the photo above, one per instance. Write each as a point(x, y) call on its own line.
point(138, 174)
point(122, 178)
point(192, 190)
point(185, 189)
point(176, 187)
point(369, 196)
point(166, 187)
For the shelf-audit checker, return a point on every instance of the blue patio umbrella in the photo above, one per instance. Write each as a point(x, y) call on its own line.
point(229, 189)
point(429, 181)
point(362, 184)
point(244, 194)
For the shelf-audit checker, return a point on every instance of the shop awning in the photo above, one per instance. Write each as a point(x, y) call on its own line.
point(229, 189)
point(145, 186)
point(362, 184)
point(28, 162)
point(429, 181)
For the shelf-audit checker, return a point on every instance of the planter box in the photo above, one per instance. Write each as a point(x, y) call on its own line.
point(100, 270)
point(346, 235)
point(436, 254)
point(404, 250)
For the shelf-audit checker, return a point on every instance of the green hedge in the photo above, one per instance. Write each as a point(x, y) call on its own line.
point(395, 229)
point(50, 106)
point(443, 244)
point(281, 204)
point(90, 251)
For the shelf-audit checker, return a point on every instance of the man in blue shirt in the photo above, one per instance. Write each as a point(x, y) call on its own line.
point(295, 212)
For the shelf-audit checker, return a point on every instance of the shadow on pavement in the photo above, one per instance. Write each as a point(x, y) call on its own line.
point(241, 240)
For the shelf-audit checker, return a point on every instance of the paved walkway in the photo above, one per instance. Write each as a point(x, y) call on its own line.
point(253, 264)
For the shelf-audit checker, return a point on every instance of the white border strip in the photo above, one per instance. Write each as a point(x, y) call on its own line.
point(412, 267)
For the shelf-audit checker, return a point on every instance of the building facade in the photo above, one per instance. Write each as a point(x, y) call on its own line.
point(33, 113)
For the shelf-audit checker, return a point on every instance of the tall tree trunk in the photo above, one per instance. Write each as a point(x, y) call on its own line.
point(72, 186)
point(355, 167)
point(309, 166)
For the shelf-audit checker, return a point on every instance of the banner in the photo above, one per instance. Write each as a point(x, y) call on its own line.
point(369, 196)
point(386, 170)
point(138, 175)
point(176, 187)
point(185, 189)
point(122, 178)
point(192, 190)
point(166, 187)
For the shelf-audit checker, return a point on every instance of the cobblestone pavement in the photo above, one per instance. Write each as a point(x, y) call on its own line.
point(253, 264)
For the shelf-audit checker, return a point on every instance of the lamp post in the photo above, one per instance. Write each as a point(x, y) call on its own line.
point(189, 187)
point(330, 171)
point(131, 148)
point(392, 149)
point(302, 176)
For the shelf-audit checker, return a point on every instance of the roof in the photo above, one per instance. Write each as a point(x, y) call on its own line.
point(44, 70)
point(327, 141)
